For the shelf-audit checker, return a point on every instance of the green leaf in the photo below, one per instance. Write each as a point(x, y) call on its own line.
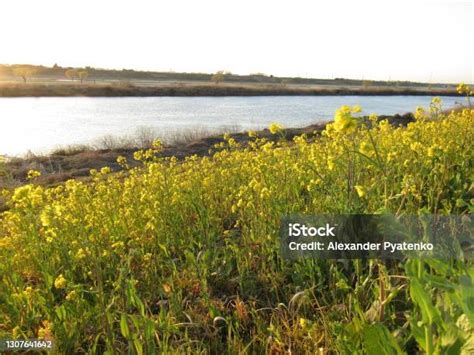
point(440, 266)
point(149, 331)
point(61, 313)
point(138, 346)
point(439, 282)
point(379, 341)
point(428, 312)
point(124, 326)
point(418, 333)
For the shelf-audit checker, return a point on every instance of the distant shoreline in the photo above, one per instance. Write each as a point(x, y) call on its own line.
point(203, 89)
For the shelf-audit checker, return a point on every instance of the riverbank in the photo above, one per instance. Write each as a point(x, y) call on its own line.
point(75, 162)
point(204, 89)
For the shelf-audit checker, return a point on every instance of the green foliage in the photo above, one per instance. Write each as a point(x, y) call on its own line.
point(377, 339)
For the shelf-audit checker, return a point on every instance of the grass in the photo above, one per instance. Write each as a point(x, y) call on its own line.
point(183, 256)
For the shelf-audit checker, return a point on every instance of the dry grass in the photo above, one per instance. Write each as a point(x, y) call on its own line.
point(204, 89)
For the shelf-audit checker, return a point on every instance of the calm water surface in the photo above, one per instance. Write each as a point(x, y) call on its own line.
point(42, 124)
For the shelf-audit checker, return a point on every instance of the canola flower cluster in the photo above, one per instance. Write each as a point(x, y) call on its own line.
point(181, 255)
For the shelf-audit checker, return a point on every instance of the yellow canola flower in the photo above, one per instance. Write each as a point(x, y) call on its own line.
point(71, 296)
point(463, 89)
point(344, 121)
point(303, 323)
point(420, 113)
point(81, 254)
point(157, 144)
point(33, 174)
point(275, 128)
point(45, 217)
point(436, 101)
point(28, 194)
point(44, 331)
point(29, 290)
point(105, 170)
point(330, 164)
point(121, 160)
point(60, 282)
point(361, 191)
point(356, 109)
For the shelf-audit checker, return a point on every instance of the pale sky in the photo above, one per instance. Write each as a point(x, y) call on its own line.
point(417, 40)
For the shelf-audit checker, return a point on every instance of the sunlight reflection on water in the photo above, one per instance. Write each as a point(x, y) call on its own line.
point(42, 124)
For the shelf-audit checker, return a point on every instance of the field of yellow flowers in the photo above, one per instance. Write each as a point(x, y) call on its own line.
point(183, 256)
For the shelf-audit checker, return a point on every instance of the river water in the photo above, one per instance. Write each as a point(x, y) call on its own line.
point(42, 124)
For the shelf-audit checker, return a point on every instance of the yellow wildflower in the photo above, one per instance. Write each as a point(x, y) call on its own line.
point(33, 174)
point(303, 323)
point(45, 331)
point(275, 128)
point(157, 144)
point(463, 89)
point(343, 119)
point(436, 101)
point(330, 164)
point(356, 109)
point(60, 282)
point(71, 296)
point(81, 254)
point(420, 113)
point(105, 170)
point(361, 191)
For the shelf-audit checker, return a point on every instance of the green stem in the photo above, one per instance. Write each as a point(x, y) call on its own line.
point(428, 340)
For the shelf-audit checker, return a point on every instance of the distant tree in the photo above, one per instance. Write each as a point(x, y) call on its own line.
point(83, 74)
point(56, 69)
point(71, 74)
point(218, 77)
point(24, 72)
